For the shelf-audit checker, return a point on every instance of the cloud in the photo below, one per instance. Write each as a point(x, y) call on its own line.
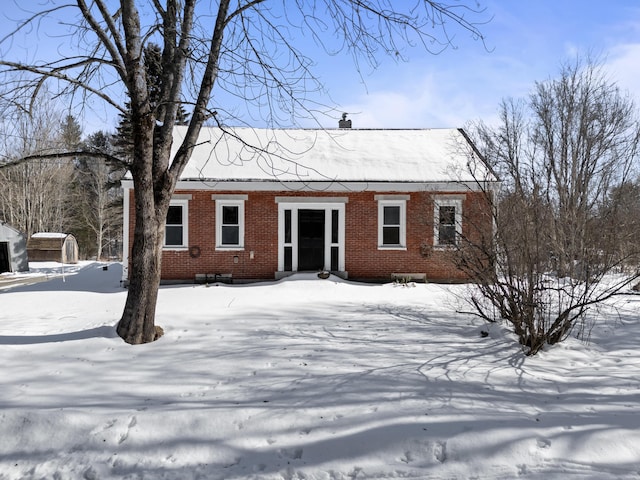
point(440, 97)
point(421, 107)
point(401, 107)
point(452, 95)
point(623, 67)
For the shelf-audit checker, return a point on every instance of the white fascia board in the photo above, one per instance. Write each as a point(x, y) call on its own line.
point(322, 187)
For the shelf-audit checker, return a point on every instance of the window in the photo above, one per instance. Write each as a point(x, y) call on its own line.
point(447, 225)
point(230, 225)
point(175, 233)
point(335, 240)
point(288, 244)
point(229, 221)
point(448, 222)
point(391, 221)
point(391, 225)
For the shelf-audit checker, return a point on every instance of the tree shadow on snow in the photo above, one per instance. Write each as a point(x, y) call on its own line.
point(97, 277)
point(418, 386)
point(105, 331)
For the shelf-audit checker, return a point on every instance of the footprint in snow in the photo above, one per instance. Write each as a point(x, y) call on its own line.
point(543, 442)
point(440, 451)
point(407, 458)
point(89, 474)
point(104, 427)
point(291, 453)
point(132, 423)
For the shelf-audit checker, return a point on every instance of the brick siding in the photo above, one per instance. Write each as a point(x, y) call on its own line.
point(363, 259)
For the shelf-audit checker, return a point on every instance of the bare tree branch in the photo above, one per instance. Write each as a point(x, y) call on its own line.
point(112, 40)
point(98, 156)
point(57, 73)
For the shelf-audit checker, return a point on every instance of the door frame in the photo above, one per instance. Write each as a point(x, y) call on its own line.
point(328, 204)
point(6, 247)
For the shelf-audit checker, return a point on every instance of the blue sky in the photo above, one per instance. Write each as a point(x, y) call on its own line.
point(526, 40)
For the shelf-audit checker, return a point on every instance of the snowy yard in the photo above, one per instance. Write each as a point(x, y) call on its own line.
point(305, 379)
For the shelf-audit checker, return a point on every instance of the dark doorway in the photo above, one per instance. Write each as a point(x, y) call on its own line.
point(4, 257)
point(310, 240)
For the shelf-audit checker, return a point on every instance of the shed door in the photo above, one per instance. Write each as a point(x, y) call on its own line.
point(5, 266)
point(69, 252)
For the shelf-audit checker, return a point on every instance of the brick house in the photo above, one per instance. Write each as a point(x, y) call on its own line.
point(364, 204)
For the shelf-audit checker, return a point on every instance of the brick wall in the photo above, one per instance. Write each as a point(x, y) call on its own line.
point(363, 259)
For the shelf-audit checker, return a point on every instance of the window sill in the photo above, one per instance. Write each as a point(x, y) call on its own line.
point(445, 247)
point(176, 248)
point(229, 248)
point(392, 247)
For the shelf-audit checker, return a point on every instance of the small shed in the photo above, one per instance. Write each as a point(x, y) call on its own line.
point(13, 250)
point(53, 247)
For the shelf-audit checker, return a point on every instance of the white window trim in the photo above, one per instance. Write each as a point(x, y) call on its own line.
point(392, 201)
point(184, 203)
point(446, 202)
point(229, 201)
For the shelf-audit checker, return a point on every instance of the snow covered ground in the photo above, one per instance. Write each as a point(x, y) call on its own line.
point(304, 379)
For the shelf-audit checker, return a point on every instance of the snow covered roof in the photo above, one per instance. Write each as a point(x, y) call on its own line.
point(49, 235)
point(6, 226)
point(340, 155)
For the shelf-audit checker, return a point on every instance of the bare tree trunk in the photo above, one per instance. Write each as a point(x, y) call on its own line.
point(99, 241)
point(137, 323)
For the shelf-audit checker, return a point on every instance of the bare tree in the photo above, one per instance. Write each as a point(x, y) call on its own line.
point(34, 195)
point(246, 48)
point(620, 216)
point(98, 195)
point(562, 156)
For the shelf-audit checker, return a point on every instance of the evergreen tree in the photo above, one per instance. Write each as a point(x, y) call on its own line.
point(153, 67)
point(71, 133)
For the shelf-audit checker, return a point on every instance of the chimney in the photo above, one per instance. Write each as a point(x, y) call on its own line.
point(344, 123)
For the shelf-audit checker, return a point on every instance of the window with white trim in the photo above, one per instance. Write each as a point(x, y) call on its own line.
point(176, 228)
point(447, 222)
point(229, 223)
point(392, 231)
